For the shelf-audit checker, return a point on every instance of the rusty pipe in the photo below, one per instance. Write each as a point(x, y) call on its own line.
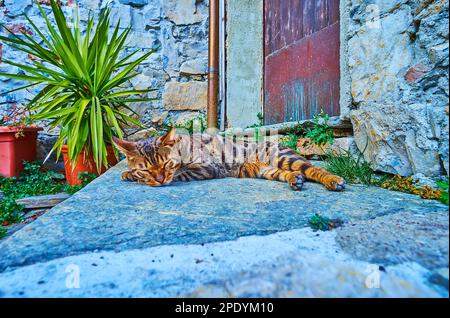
point(213, 63)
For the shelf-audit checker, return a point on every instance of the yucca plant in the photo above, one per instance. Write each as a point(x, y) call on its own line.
point(81, 79)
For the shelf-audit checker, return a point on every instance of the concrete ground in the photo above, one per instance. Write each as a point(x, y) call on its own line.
point(227, 238)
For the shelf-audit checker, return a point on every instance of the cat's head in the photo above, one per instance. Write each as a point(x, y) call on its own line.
point(151, 160)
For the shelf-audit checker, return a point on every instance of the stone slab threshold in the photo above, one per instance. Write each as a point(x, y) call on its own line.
point(341, 127)
point(208, 234)
point(296, 263)
point(43, 201)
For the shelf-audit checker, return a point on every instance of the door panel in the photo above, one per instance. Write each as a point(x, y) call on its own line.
point(301, 59)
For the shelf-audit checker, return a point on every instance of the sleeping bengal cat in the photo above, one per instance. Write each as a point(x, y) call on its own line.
point(158, 161)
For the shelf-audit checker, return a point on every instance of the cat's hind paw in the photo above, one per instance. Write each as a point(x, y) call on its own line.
point(297, 183)
point(336, 184)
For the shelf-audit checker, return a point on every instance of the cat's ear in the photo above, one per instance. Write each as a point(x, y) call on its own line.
point(171, 138)
point(126, 147)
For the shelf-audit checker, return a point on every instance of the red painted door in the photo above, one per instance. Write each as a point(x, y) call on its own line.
point(301, 59)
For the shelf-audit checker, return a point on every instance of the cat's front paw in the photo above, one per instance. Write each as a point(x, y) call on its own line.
point(296, 182)
point(126, 176)
point(335, 183)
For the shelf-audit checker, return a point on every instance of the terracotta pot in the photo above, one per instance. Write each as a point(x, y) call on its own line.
point(85, 163)
point(17, 144)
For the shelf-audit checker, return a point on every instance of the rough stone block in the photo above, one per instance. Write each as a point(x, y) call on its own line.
point(340, 146)
point(141, 81)
point(399, 84)
point(439, 54)
point(92, 4)
point(16, 8)
point(185, 96)
point(134, 3)
point(152, 15)
point(122, 13)
point(18, 28)
point(142, 134)
point(182, 12)
point(377, 55)
point(416, 72)
point(195, 67)
point(397, 139)
point(143, 40)
point(159, 119)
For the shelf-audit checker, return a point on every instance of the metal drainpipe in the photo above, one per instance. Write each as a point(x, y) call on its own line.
point(213, 64)
point(222, 63)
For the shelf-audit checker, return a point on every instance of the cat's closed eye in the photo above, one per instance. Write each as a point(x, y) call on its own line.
point(141, 166)
point(169, 164)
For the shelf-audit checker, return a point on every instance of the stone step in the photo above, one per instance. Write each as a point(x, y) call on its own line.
point(43, 201)
point(115, 215)
point(340, 127)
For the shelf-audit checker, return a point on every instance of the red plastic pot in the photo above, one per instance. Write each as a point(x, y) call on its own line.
point(85, 163)
point(17, 144)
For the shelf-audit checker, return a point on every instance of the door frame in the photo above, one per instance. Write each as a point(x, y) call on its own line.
point(345, 102)
point(345, 99)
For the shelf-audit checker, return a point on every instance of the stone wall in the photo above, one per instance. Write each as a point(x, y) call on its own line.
point(398, 68)
point(395, 64)
point(178, 69)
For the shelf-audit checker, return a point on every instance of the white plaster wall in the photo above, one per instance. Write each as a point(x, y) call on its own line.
point(244, 61)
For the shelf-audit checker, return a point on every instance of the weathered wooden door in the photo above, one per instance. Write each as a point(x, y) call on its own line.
point(301, 59)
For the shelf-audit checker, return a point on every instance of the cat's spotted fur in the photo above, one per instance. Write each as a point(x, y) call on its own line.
point(159, 161)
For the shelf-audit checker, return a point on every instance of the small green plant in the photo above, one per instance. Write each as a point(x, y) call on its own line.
point(408, 185)
point(257, 126)
point(3, 232)
point(85, 179)
point(292, 136)
point(197, 124)
point(290, 141)
point(260, 121)
point(444, 195)
point(32, 182)
point(260, 117)
point(321, 133)
point(353, 170)
point(322, 223)
point(258, 136)
point(9, 211)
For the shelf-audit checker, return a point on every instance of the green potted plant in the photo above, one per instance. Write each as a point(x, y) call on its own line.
point(82, 79)
point(18, 140)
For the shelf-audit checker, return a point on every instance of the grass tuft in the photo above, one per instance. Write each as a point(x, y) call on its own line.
point(353, 170)
point(322, 223)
